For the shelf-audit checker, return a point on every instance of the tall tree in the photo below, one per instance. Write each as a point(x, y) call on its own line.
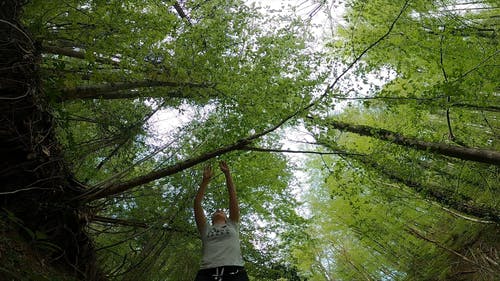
point(375, 206)
point(110, 67)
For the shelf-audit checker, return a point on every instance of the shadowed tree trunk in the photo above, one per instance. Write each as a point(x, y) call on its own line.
point(36, 182)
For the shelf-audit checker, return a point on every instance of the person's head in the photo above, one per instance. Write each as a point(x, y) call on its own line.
point(219, 217)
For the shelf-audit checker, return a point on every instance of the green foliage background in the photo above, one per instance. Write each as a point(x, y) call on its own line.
point(365, 210)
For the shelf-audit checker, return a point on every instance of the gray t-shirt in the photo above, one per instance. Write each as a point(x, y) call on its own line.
point(221, 245)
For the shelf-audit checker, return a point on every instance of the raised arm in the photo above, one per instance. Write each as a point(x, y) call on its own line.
point(199, 215)
point(234, 208)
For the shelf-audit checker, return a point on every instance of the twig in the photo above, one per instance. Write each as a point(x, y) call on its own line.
point(462, 216)
point(22, 190)
point(18, 29)
point(18, 97)
point(357, 59)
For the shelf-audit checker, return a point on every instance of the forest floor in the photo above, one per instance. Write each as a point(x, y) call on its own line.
point(23, 258)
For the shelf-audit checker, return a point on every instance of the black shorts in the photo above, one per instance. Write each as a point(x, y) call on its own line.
point(223, 273)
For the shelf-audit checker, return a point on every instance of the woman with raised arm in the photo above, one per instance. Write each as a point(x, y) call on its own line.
point(221, 260)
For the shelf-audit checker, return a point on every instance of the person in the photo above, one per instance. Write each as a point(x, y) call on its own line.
point(222, 259)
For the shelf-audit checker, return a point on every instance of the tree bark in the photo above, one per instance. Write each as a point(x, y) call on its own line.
point(444, 197)
point(75, 54)
point(114, 90)
point(464, 153)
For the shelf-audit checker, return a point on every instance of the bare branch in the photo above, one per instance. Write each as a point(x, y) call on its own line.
point(259, 149)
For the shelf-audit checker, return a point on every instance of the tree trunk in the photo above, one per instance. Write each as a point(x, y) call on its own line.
point(113, 90)
point(439, 194)
point(75, 54)
point(464, 153)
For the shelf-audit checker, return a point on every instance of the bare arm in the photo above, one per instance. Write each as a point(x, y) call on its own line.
point(234, 208)
point(199, 215)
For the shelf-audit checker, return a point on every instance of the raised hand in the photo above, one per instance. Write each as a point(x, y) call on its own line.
point(224, 167)
point(207, 173)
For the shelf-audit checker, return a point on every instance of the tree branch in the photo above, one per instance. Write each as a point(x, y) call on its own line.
point(119, 187)
point(181, 12)
point(355, 61)
point(259, 149)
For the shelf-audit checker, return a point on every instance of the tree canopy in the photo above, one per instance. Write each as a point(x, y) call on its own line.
point(397, 106)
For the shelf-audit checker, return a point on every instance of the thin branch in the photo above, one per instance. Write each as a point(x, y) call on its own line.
point(462, 216)
point(493, 55)
point(181, 12)
point(375, 43)
point(330, 87)
point(127, 138)
point(260, 149)
point(22, 190)
point(342, 97)
point(445, 76)
point(441, 55)
point(18, 29)
point(491, 108)
point(119, 221)
point(108, 89)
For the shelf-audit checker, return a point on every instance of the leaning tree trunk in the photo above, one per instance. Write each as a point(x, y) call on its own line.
point(464, 153)
point(438, 194)
point(114, 90)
